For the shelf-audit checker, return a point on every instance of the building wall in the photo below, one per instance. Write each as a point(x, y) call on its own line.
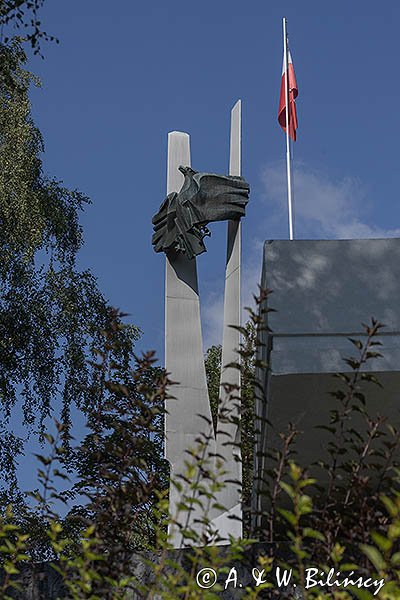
point(322, 292)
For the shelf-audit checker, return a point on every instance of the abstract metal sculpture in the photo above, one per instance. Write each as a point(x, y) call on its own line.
point(181, 223)
point(194, 200)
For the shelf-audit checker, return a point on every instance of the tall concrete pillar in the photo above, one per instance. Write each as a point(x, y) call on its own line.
point(228, 433)
point(188, 417)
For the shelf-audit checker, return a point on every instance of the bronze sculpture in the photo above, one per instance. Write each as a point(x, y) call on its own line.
point(181, 223)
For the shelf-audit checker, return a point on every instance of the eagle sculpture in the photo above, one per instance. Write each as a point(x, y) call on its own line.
point(181, 223)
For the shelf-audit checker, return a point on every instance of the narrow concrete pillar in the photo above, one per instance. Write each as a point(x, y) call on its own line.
point(188, 416)
point(228, 433)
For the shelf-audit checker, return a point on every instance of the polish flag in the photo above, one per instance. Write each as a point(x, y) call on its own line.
point(293, 92)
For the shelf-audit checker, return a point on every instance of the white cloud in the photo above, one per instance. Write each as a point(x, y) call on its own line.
point(324, 208)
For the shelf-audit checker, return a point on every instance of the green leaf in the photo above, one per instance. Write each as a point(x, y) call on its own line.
point(313, 533)
point(390, 506)
point(374, 556)
point(381, 541)
point(10, 568)
point(287, 488)
point(289, 516)
point(356, 343)
point(395, 559)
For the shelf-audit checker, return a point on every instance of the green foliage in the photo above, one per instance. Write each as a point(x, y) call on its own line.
point(51, 314)
point(13, 552)
point(119, 465)
point(247, 367)
point(212, 363)
point(119, 474)
point(24, 15)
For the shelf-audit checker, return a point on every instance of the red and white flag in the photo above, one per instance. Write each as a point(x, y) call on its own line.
point(292, 94)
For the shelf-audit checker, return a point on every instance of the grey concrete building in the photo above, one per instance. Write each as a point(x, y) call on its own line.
point(323, 290)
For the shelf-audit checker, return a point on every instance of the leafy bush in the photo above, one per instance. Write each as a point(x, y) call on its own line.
point(352, 524)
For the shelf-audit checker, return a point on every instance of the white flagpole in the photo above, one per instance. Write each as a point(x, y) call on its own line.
point(288, 160)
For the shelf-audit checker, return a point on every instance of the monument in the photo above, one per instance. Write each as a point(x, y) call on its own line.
point(193, 201)
point(323, 291)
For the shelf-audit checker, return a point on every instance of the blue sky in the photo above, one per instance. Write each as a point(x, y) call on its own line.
point(125, 73)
